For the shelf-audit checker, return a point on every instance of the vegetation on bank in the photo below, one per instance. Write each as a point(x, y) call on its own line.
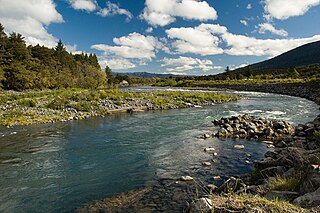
point(251, 203)
point(22, 108)
point(25, 67)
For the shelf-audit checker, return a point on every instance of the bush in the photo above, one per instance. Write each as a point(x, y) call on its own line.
point(27, 102)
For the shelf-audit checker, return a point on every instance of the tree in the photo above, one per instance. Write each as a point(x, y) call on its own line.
point(17, 48)
point(3, 45)
point(227, 70)
point(109, 75)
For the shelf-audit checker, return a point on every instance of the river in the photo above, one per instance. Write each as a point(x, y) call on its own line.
point(58, 167)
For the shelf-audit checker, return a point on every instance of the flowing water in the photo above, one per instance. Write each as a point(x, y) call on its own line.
point(58, 167)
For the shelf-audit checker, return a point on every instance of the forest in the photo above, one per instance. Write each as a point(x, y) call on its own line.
point(25, 67)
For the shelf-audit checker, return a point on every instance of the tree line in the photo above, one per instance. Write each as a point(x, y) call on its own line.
point(38, 67)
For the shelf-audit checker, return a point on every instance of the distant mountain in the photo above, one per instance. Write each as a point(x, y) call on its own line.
point(307, 54)
point(146, 75)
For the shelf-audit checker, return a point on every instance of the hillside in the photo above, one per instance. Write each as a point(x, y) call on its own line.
point(145, 75)
point(307, 54)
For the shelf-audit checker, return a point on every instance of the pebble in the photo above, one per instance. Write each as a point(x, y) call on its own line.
point(216, 177)
point(239, 146)
point(206, 164)
point(186, 178)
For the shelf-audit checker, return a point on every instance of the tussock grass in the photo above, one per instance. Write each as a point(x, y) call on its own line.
point(251, 203)
point(283, 184)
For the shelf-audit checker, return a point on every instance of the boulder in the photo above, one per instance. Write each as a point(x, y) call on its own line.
point(308, 200)
point(273, 171)
point(203, 205)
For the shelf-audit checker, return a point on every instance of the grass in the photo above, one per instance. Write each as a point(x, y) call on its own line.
point(251, 203)
point(283, 184)
point(316, 134)
point(23, 108)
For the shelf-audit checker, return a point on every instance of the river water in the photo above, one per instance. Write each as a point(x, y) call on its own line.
point(58, 167)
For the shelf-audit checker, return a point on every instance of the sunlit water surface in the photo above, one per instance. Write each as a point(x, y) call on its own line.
point(58, 167)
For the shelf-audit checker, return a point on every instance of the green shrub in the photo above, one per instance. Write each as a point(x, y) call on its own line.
point(27, 102)
point(284, 184)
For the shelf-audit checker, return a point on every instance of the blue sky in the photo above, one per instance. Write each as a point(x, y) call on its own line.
point(194, 37)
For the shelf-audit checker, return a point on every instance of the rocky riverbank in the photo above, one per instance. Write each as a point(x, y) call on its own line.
point(288, 173)
point(31, 107)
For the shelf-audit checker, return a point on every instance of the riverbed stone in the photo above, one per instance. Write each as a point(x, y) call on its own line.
point(186, 178)
point(308, 200)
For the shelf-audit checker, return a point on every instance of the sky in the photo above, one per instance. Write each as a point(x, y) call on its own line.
point(183, 37)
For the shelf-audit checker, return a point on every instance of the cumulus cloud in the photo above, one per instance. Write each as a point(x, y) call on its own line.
point(212, 36)
point(163, 12)
point(196, 40)
point(30, 18)
point(244, 22)
point(134, 45)
point(249, 6)
point(267, 27)
point(86, 5)
point(182, 64)
point(116, 63)
point(283, 9)
point(114, 9)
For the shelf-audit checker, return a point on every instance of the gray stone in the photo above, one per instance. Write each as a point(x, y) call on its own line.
point(186, 178)
point(273, 171)
point(203, 205)
point(308, 200)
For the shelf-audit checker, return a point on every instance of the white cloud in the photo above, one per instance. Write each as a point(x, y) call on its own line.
point(182, 64)
point(116, 63)
point(149, 30)
point(249, 6)
point(283, 9)
point(206, 39)
point(196, 40)
point(267, 27)
point(86, 5)
point(175, 73)
point(30, 18)
point(114, 9)
point(163, 12)
point(244, 22)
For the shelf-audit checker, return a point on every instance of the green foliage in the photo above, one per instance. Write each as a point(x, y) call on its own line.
point(284, 184)
point(58, 103)
point(38, 67)
point(28, 102)
point(316, 134)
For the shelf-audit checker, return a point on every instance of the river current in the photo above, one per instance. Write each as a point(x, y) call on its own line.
point(59, 167)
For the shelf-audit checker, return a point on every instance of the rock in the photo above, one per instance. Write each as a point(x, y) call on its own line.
point(281, 144)
point(270, 146)
point(206, 136)
point(212, 187)
point(239, 146)
point(209, 150)
point(186, 178)
point(216, 177)
point(282, 195)
point(273, 171)
point(206, 164)
point(267, 142)
point(203, 205)
point(271, 154)
point(308, 200)
point(267, 131)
